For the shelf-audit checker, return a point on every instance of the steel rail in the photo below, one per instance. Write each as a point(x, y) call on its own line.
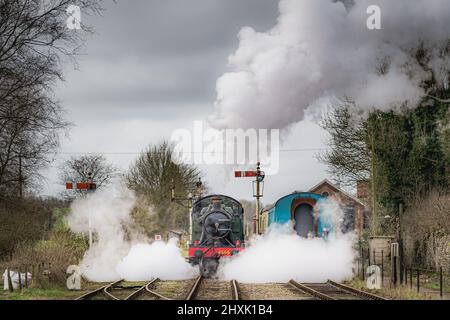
point(156, 294)
point(193, 291)
point(140, 290)
point(96, 291)
point(311, 291)
point(235, 290)
point(356, 292)
point(111, 286)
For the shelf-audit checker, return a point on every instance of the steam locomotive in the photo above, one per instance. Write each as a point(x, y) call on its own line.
point(217, 230)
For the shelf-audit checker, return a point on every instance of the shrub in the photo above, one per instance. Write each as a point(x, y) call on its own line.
point(426, 226)
point(24, 222)
point(55, 254)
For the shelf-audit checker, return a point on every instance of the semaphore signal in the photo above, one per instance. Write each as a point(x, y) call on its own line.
point(88, 186)
point(258, 186)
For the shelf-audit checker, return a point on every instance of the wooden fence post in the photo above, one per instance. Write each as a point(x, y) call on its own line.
point(440, 283)
point(20, 278)
point(410, 277)
point(363, 271)
point(406, 274)
point(33, 269)
point(26, 276)
point(10, 285)
point(394, 270)
point(382, 267)
point(418, 280)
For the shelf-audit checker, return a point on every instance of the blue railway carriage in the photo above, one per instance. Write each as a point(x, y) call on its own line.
point(303, 209)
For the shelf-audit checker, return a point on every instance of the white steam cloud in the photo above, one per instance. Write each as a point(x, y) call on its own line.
point(278, 256)
point(323, 49)
point(119, 252)
point(331, 213)
point(281, 255)
point(159, 260)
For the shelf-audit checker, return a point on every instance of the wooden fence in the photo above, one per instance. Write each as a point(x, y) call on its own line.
point(37, 271)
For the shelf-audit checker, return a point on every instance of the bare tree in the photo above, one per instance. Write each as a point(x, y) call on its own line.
point(77, 169)
point(349, 156)
point(154, 170)
point(38, 28)
point(151, 177)
point(34, 41)
point(426, 224)
point(29, 126)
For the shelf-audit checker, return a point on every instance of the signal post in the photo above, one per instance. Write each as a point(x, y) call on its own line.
point(258, 186)
point(190, 199)
point(88, 186)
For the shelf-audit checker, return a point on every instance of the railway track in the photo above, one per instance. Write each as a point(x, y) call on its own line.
point(117, 290)
point(333, 291)
point(235, 290)
point(99, 293)
point(212, 289)
point(192, 293)
point(139, 293)
point(363, 294)
point(167, 290)
point(153, 290)
point(201, 288)
point(272, 291)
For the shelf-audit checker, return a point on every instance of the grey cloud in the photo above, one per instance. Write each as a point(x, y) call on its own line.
point(178, 27)
point(147, 56)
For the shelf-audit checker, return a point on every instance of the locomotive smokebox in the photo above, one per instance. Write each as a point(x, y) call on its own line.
point(217, 231)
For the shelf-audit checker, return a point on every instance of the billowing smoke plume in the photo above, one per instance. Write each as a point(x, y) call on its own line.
point(323, 49)
point(119, 252)
point(331, 214)
point(158, 260)
point(281, 255)
point(108, 212)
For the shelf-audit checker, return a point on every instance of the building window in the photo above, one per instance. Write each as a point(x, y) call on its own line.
point(325, 194)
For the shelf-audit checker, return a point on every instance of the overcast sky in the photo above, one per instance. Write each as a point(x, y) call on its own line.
point(151, 68)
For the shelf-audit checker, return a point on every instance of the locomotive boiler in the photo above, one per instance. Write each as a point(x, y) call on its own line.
point(217, 231)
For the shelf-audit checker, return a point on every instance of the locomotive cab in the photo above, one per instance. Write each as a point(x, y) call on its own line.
point(217, 231)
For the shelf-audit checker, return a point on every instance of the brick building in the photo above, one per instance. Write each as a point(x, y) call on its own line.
point(355, 211)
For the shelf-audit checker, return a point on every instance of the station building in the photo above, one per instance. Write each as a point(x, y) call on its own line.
point(303, 209)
